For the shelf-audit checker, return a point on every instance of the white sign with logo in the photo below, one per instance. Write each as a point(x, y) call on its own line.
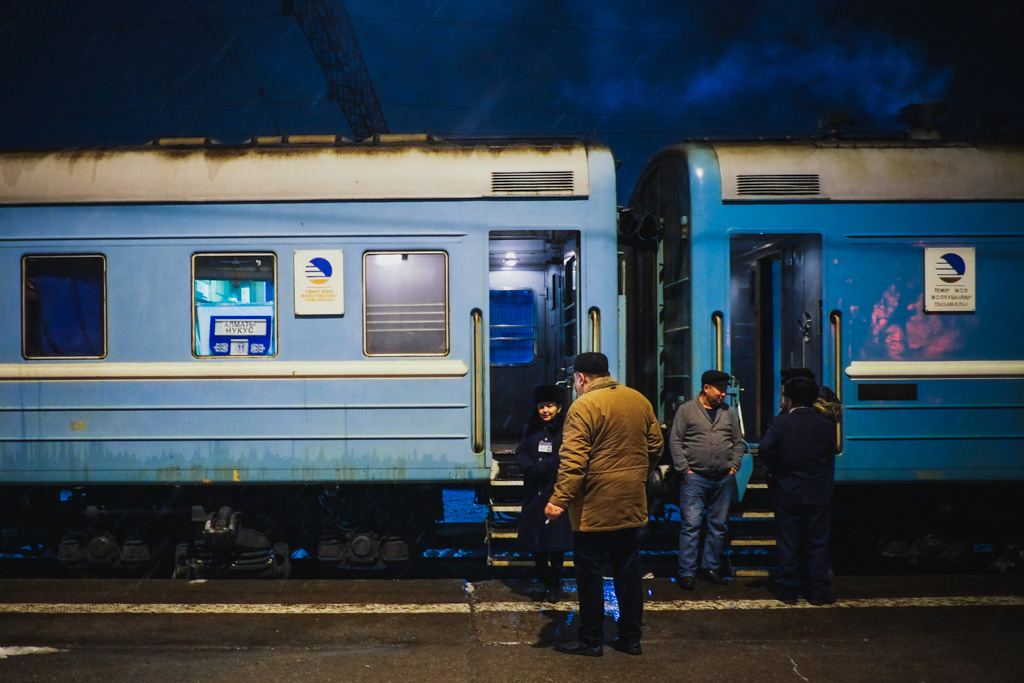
point(949, 279)
point(319, 283)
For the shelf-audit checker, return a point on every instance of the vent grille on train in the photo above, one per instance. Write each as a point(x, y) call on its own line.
point(781, 185)
point(531, 182)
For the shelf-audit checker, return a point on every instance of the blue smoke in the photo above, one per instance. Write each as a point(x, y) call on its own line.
point(771, 63)
point(878, 76)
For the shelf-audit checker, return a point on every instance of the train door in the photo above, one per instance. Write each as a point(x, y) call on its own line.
point(776, 285)
point(534, 320)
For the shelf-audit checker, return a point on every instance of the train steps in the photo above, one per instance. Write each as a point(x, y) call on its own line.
point(752, 550)
point(505, 505)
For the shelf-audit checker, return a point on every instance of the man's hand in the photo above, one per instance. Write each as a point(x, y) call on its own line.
point(552, 511)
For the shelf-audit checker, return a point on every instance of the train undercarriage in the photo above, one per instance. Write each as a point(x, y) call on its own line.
point(198, 532)
point(208, 532)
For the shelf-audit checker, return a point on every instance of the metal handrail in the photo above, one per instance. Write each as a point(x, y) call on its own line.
point(478, 380)
point(595, 329)
point(835, 319)
point(718, 320)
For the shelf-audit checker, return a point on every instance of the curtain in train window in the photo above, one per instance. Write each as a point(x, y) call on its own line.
point(63, 307)
point(234, 304)
point(513, 326)
point(405, 310)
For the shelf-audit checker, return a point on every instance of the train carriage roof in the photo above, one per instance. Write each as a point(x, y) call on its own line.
point(402, 169)
point(862, 171)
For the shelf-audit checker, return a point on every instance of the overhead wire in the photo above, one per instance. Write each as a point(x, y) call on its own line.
point(306, 102)
point(259, 89)
point(800, 40)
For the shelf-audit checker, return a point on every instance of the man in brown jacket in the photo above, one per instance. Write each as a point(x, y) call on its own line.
point(610, 441)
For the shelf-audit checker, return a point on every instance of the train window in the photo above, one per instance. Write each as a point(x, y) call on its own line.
point(513, 326)
point(405, 303)
point(63, 303)
point(234, 309)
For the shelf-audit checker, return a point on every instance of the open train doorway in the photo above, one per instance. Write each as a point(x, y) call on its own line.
point(534, 320)
point(777, 319)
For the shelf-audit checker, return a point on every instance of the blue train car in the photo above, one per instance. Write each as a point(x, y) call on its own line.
point(886, 268)
point(284, 344)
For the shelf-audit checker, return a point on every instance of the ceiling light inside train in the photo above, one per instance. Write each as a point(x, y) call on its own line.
point(510, 259)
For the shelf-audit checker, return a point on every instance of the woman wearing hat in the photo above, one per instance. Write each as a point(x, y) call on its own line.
point(537, 456)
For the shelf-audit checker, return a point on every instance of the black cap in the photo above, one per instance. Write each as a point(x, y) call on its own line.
point(548, 393)
point(789, 373)
point(591, 363)
point(801, 390)
point(714, 377)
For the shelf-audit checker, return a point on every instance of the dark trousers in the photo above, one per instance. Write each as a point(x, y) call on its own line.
point(801, 536)
point(591, 550)
point(549, 566)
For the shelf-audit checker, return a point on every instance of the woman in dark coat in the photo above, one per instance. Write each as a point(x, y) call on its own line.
point(537, 456)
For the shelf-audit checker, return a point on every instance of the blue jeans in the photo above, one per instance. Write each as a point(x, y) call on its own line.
point(703, 500)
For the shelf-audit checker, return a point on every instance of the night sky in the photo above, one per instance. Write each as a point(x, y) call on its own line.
point(636, 75)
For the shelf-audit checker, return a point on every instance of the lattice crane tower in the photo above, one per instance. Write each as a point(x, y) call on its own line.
point(328, 29)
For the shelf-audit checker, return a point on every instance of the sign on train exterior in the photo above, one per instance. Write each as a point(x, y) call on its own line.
point(949, 279)
point(319, 283)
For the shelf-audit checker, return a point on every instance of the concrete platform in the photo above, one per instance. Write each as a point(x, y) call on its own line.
point(967, 628)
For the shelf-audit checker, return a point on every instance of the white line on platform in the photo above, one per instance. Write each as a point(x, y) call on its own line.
point(958, 601)
point(724, 605)
point(466, 608)
point(230, 608)
point(6, 652)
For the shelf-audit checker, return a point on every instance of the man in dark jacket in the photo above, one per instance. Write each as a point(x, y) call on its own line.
point(798, 451)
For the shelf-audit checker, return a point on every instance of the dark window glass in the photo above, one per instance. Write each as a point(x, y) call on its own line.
point(235, 311)
point(886, 392)
point(405, 311)
point(513, 327)
point(569, 312)
point(63, 307)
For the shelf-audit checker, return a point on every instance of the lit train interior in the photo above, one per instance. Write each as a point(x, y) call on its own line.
point(534, 320)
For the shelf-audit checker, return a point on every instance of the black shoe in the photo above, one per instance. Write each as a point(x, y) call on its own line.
point(781, 594)
point(711, 576)
point(630, 647)
point(573, 647)
point(821, 599)
point(685, 581)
